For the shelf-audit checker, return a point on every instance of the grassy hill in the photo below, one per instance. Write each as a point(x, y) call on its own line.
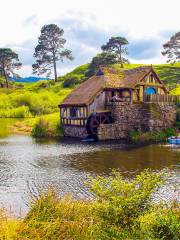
point(170, 74)
point(29, 100)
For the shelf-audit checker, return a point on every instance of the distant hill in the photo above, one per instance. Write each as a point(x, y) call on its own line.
point(30, 79)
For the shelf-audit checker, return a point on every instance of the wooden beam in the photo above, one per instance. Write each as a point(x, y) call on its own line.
point(131, 95)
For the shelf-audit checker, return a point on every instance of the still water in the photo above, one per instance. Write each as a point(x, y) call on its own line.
point(27, 166)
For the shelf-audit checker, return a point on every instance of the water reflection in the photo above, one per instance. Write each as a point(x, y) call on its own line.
point(27, 165)
point(4, 126)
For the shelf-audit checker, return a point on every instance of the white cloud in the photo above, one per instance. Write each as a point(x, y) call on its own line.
point(21, 21)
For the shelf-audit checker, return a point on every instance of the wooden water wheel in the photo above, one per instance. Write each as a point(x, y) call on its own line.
point(95, 119)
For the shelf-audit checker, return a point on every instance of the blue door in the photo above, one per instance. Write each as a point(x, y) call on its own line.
point(150, 91)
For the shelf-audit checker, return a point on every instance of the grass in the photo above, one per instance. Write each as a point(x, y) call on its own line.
point(151, 136)
point(51, 121)
point(41, 99)
point(121, 210)
point(32, 100)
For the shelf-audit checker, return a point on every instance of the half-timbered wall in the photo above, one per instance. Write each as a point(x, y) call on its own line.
point(73, 115)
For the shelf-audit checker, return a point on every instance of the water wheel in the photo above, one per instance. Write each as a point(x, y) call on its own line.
point(95, 119)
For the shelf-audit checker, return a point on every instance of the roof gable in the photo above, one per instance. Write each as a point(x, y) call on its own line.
point(108, 78)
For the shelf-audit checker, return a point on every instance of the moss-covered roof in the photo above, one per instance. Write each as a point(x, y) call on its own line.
point(107, 78)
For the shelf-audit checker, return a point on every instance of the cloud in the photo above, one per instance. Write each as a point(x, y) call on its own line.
point(144, 48)
point(31, 19)
point(88, 25)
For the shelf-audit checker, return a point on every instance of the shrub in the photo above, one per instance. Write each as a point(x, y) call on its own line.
point(46, 126)
point(69, 82)
point(119, 201)
point(19, 112)
point(150, 136)
point(54, 218)
point(121, 210)
point(40, 129)
point(160, 223)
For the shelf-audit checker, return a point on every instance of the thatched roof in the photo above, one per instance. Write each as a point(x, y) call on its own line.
point(106, 78)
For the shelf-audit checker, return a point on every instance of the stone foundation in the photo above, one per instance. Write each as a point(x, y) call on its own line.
point(140, 116)
point(112, 131)
point(75, 131)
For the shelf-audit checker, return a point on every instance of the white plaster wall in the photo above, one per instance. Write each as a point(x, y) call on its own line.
point(98, 103)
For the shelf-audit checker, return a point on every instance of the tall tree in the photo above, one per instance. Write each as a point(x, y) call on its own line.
point(101, 59)
point(49, 50)
point(172, 48)
point(116, 45)
point(9, 61)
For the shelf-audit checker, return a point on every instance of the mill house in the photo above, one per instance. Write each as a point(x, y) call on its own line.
point(112, 102)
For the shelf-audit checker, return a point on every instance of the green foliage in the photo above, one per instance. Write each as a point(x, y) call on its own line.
point(121, 210)
point(101, 59)
point(80, 70)
point(160, 223)
point(150, 136)
point(8, 62)
point(40, 98)
point(116, 45)
point(2, 80)
point(170, 74)
point(70, 81)
point(77, 76)
point(120, 201)
point(49, 50)
point(172, 48)
point(176, 90)
point(18, 112)
point(46, 126)
point(40, 129)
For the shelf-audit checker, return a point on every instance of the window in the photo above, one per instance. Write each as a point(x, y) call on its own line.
point(150, 91)
point(73, 112)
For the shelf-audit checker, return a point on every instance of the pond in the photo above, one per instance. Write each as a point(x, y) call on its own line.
point(26, 166)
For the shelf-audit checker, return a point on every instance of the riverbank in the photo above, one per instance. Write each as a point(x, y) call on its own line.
point(48, 126)
point(50, 123)
point(121, 209)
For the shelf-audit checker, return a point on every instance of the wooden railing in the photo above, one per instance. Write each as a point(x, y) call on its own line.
point(161, 98)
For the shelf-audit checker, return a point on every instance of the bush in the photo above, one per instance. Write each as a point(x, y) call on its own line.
point(120, 201)
point(150, 136)
point(69, 82)
point(39, 101)
point(46, 126)
point(19, 112)
point(40, 129)
point(121, 210)
point(160, 223)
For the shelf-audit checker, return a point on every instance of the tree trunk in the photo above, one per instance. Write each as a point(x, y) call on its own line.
point(6, 78)
point(120, 57)
point(55, 70)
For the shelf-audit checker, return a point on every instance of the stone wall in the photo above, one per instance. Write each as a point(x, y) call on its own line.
point(112, 131)
point(140, 116)
point(75, 131)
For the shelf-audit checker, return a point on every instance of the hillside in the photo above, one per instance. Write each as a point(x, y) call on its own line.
point(43, 97)
point(170, 74)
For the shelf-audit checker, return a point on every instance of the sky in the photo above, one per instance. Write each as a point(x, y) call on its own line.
point(88, 25)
